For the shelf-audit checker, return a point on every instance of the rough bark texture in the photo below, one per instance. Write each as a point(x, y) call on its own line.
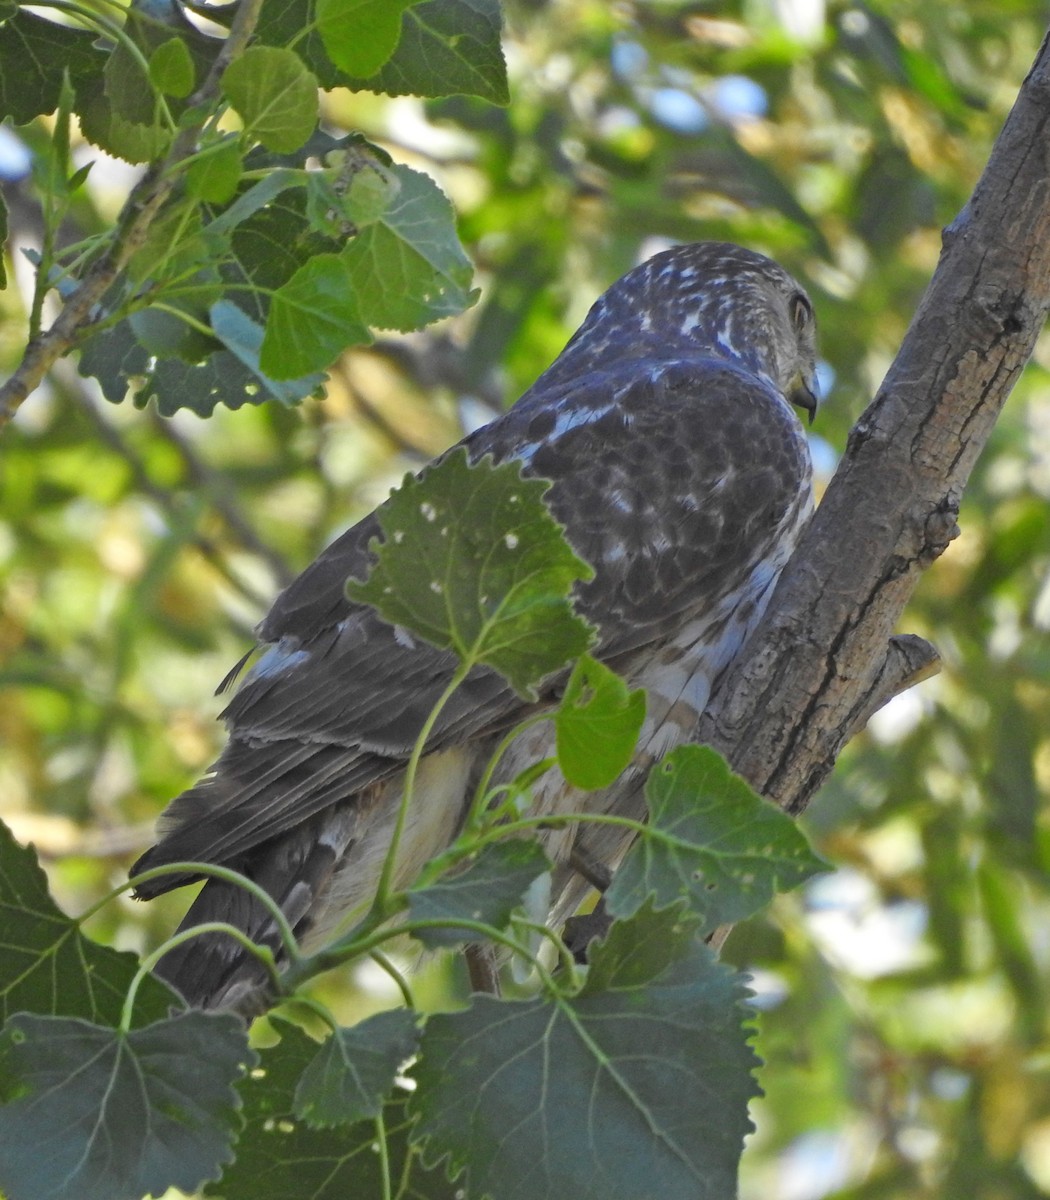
point(823, 659)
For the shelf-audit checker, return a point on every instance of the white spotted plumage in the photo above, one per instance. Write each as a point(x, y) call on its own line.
point(680, 472)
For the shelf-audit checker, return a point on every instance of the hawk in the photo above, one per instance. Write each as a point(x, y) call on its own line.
point(681, 473)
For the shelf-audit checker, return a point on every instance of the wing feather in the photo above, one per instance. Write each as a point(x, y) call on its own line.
point(670, 477)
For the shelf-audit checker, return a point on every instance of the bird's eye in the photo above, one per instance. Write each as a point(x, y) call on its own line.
point(801, 311)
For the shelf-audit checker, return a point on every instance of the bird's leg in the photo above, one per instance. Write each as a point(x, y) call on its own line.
point(482, 969)
point(580, 931)
point(591, 868)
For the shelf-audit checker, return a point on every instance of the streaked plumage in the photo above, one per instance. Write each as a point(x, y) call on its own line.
point(682, 475)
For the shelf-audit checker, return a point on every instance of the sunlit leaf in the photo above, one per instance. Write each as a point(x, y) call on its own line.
point(407, 267)
point(472, 560)
point(313, 317)
point(597, 724)
point(446, 47)
point(215, 176)
point(360, 35)
point(171, 68)
point(275, 96)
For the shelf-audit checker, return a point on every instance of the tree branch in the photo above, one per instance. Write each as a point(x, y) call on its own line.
point(145, 202)
point(817, 666)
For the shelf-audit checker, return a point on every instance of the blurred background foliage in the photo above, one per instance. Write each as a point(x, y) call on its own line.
point(902, 999)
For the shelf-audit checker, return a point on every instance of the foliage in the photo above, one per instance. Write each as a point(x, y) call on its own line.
point(95, 1111)
point(255, 271)
point(78, 1087)
point(902, 1000)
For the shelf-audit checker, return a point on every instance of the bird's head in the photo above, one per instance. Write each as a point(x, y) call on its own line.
point(729, 302)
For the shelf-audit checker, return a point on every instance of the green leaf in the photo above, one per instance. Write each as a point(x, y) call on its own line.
point(166, 335)
point(373, 188)
point(353, 1072)
point(171, 68)
point(275, 96)
point(592, 1088)
point(279, 1156)
point(489, 889)
point(114, 357)
point(253, 201)
point(78, 178)
point(472, 560)
point(129, 88)
point(96, 1114)
point(447, 47)
point(355, 189)
point(312, 319)
point(712, 841)
point(174, 245)
point(597, 725)
point(266, 250)
point(360, 35)
point(220, 379)
point(408, 268)
point(640, 948)
point(233, 378)
point(230, 376)
point(129, 109)
point(47, 965)
point(34, 55)
point(214, 177)
point(3, 242)
point(244, 339)
point(133, 141)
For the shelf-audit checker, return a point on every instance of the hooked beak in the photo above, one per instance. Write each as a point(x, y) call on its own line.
point(804, 395)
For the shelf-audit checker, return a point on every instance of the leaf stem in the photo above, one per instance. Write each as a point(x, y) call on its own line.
point(183, 316)
point(384, 1156)
point(481, 792)
point(386, 878)
point(572, 818)
point(263, 953)
point(381, 960)
point(563, 951)
point(289, 945)
point(316, 1007)
point(365, 939)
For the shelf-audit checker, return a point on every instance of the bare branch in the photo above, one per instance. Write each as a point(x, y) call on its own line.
point(909, 660)
point(815, 669)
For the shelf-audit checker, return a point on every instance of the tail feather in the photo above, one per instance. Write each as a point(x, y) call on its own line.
point(213, 970)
